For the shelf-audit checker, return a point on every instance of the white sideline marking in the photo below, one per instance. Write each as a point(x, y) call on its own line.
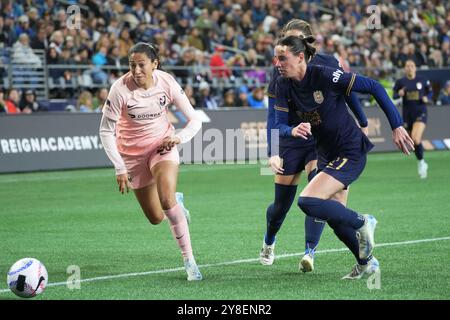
point(287, 255)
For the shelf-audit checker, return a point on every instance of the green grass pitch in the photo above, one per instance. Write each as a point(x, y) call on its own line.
point(79, 218)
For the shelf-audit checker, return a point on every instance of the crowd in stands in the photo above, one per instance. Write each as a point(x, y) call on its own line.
point(221, 51)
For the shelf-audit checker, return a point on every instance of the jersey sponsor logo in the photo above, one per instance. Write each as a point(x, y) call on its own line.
point(146, 116)
point(419, 85)
point(162, 101)
point(313, 117)
point(318, 96)
point(336, 75)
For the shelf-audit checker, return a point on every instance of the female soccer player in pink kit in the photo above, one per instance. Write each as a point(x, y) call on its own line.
point(141, 142)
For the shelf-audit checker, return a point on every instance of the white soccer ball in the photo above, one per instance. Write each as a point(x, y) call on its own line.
point(27, 277)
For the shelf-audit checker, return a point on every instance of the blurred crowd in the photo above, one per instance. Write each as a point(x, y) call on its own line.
point(220, 51)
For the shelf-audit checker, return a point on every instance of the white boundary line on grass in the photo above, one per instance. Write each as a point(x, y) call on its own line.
point(287, 255)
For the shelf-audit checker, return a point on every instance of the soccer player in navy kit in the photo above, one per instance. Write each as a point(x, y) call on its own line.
point(416, 92)
point(316, 94)
point(288, 159)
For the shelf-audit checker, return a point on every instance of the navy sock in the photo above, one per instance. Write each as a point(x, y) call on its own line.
point(348, 236)
point(276, 212)
point(313, 226)
point(313, 232)
point(418, 150)
point(330, 211)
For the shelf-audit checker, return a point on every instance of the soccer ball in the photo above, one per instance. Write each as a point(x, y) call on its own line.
point(27, 277)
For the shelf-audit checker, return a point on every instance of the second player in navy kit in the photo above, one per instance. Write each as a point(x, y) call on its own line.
point(291, 156)
point(317, 94)
point(415, 92)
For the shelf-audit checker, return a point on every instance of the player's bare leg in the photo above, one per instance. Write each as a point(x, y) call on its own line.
point(149, 200)
point(165, 174)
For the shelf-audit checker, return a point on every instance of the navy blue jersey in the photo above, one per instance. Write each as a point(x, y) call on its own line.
point(319, 98)
point(415, 90)
point(353, 102)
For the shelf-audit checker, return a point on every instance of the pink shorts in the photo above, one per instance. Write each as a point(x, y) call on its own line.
point(139, 166)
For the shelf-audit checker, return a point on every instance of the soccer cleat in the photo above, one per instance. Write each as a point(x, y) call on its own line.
point(365, 236)
point(267, 255)
point(180, 197)
point(192, 270)
point(423, 169)
point(359, 271)
point(306, 263)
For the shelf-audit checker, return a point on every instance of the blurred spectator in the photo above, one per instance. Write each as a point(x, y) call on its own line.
point(256, 98)
point(125, 42)
point(12, 102)
point(235, 63)
point(23, 54)
point(28, 103)
point(24, 27)
point(189, 91)
point(2, 101)
point(7, 32)
point(114, 59)
point(217, 64)
point(85, 102)
point(229, 99)
point(444, 97)
point(242, 100)
point(40, 41)
point(205, 99)
point(99, 99)
point(185, 64)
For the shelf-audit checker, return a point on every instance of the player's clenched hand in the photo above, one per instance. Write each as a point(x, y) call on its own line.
point(401, 92)
point(276, 164)
point(168, 143)
point(122, 181)
point(365, 130)
point(303, 130)
point(402, 140)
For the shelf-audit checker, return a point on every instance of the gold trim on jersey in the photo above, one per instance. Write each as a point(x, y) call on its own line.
point(281, 109)
point(270, 95)
point(350, 85)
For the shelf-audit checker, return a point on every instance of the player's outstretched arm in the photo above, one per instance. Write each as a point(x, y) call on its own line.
point(401, 138)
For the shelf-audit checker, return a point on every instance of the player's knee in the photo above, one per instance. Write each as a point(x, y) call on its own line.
point(308, 204)
point(167, 202)
point(154, 218)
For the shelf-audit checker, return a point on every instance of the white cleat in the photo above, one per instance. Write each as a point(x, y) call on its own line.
point(267, 255)
point(423, 169)
point(365, 236)
point(359, 271)
point(192, 270)
point(180, 197)
point(306, 263)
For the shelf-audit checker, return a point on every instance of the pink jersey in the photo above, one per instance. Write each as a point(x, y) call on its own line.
point(141, 114)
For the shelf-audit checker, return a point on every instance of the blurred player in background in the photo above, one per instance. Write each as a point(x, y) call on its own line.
point(141, 143)
point(317, 93)
point(294, 155)
point(416, 92)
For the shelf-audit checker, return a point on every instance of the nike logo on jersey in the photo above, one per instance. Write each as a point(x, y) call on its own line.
point(179, 237)
point(129, 107)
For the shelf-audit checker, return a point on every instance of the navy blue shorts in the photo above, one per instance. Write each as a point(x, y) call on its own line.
point(342, 169)
point(295, 159)
point(409, 118)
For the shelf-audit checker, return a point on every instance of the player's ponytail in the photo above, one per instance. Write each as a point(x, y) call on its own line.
point(299, 44)
point(150, 50)
point(310, 51)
